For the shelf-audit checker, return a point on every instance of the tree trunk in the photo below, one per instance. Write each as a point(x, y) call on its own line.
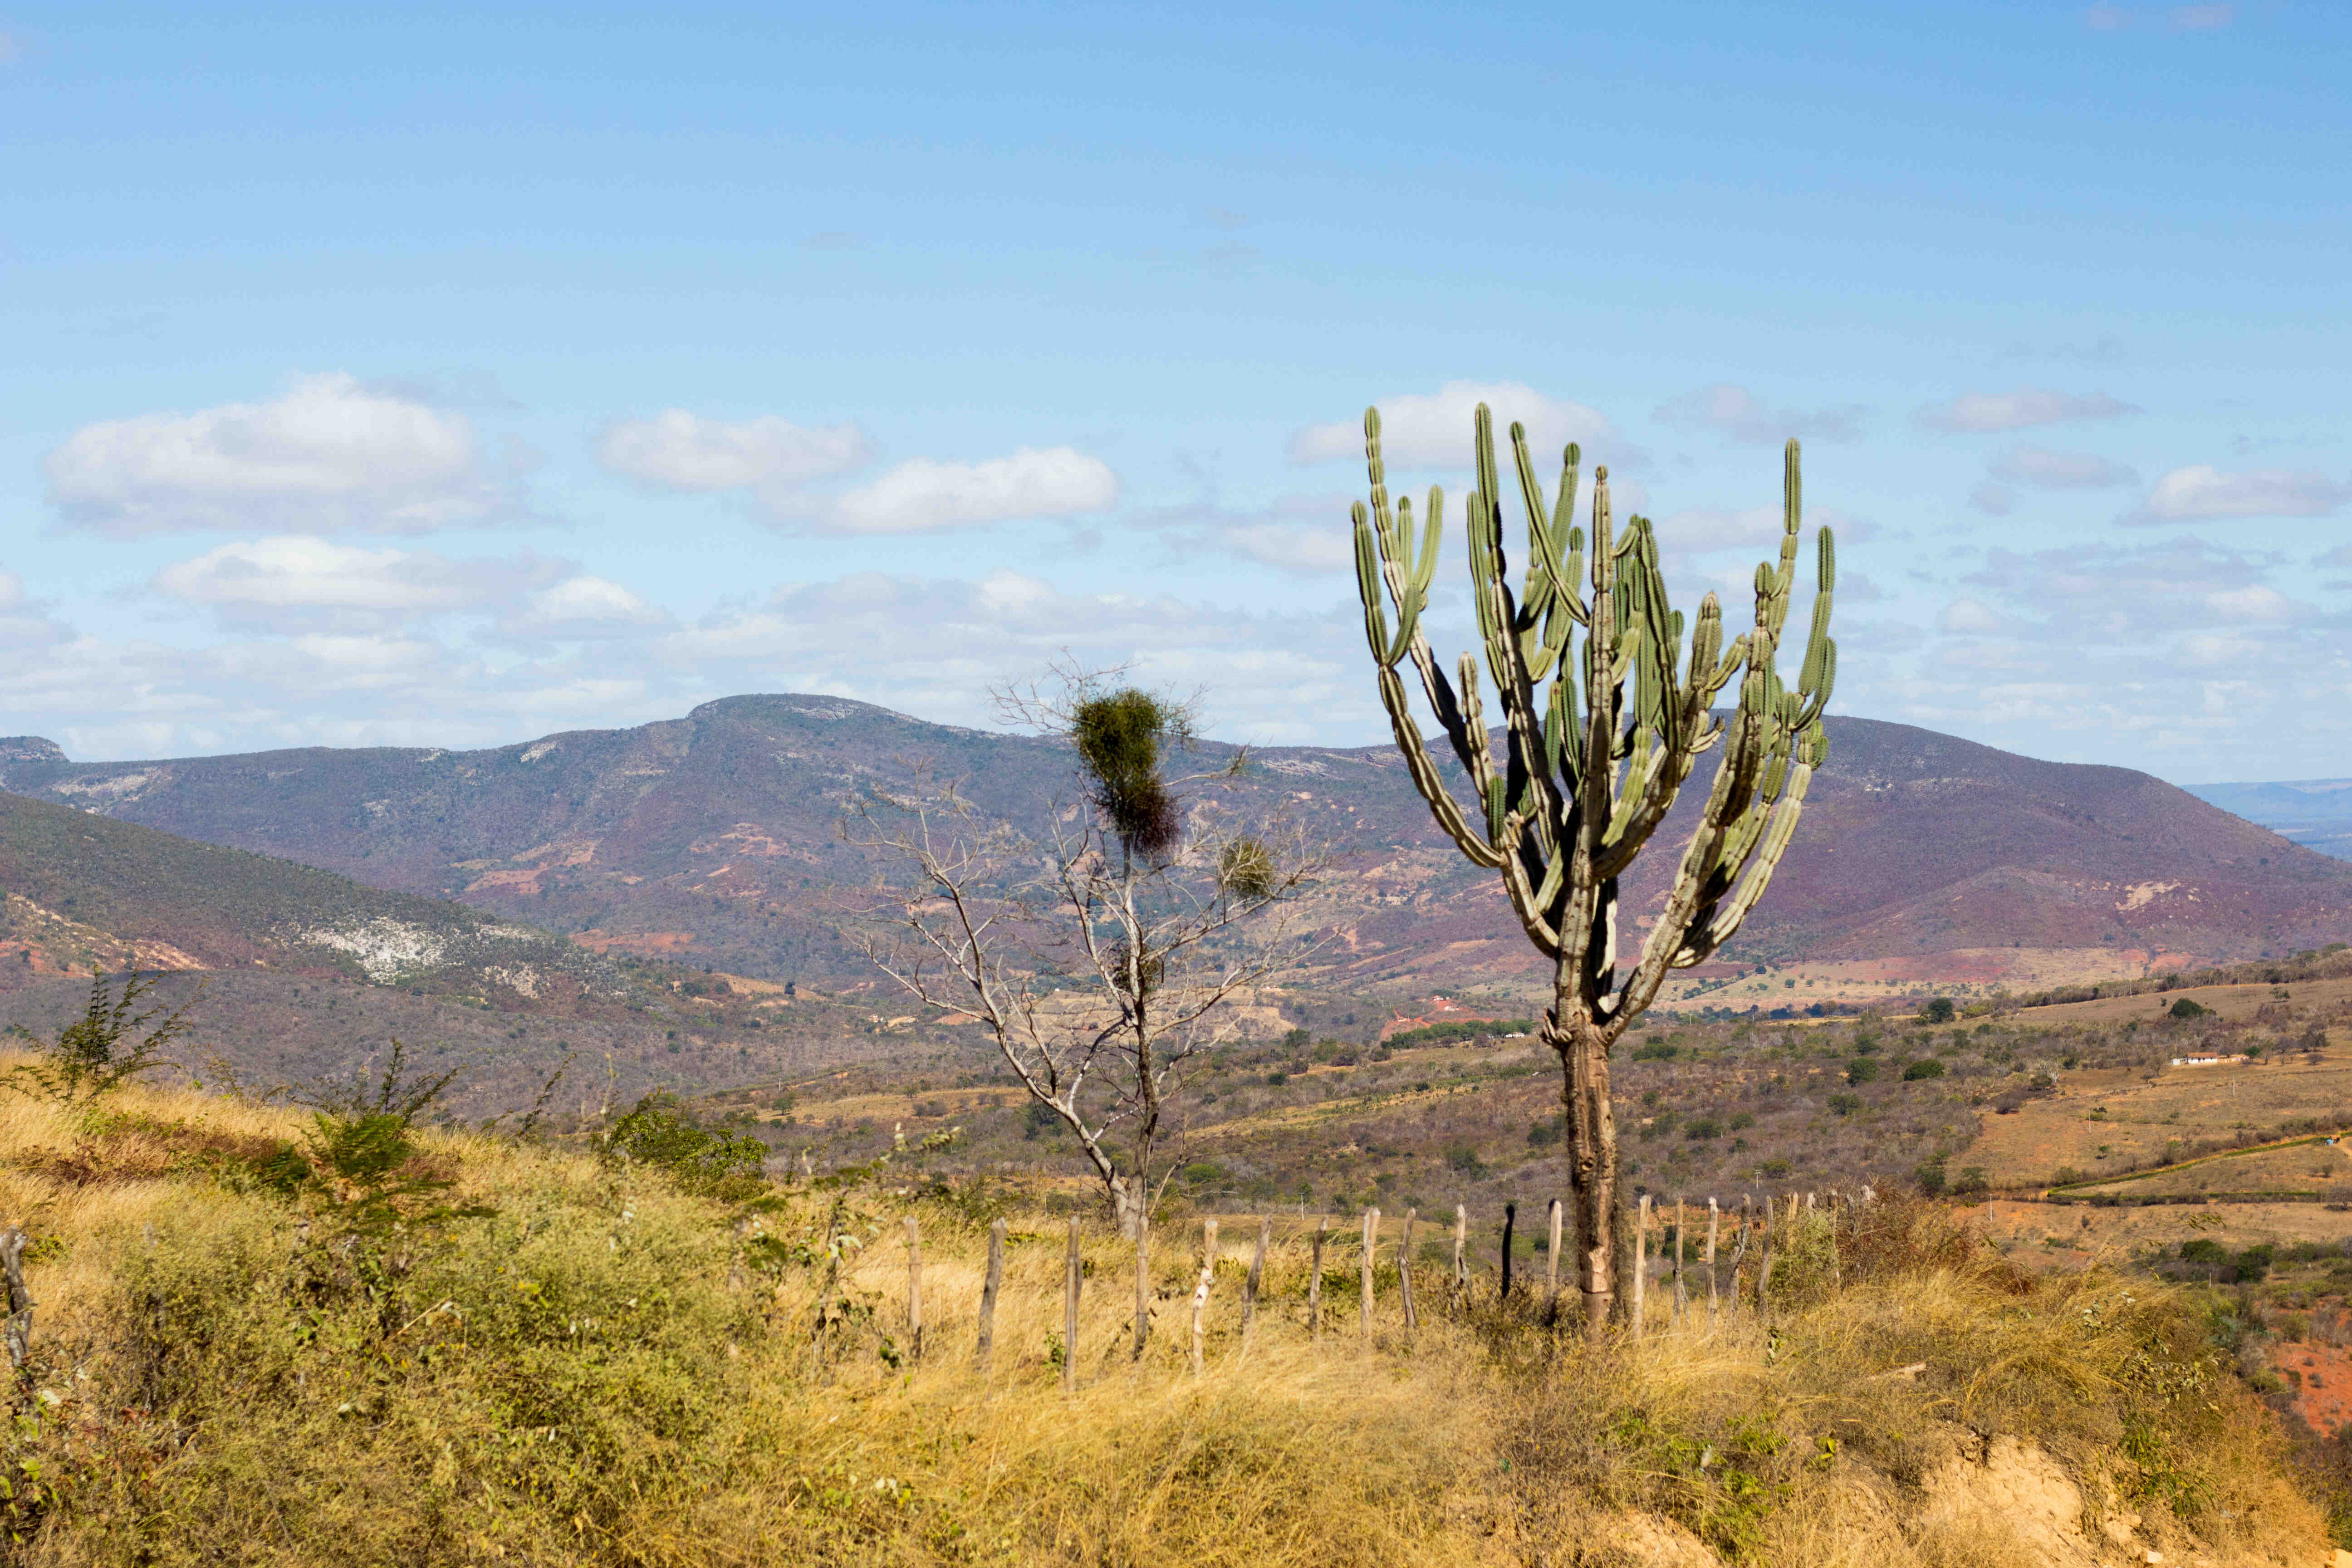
point(1129, 1205)
point(1592, 1153)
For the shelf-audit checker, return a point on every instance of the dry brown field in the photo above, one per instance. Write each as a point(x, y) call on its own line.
point(2117, 1119)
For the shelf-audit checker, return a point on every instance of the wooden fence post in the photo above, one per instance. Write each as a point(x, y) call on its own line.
point(1764, 1263)
point(1510, 1222)
point(1714, 1218)
point(1551, 1269)
point(1641, 1264)
point(988, 1294)
point(1837, 1266)
point(1405, 1271)
point(1682, 1289)
point(19, 1329)
point(1461, 1267)
point(1074, 1272)
point(914, 1290)
point(1371, 1254)
point(1315, 1280)
point(1739, 1252)
point(1257, 1278)
point(1142, 1283)
point(1201, 1290)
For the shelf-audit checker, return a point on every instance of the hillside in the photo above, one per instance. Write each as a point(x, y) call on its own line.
point(308, 976)
point(713, 838)
point(252, 1345)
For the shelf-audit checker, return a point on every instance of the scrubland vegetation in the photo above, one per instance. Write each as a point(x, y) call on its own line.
point(266, 1335)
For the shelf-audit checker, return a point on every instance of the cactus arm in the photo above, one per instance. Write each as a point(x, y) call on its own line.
point(1385, 570)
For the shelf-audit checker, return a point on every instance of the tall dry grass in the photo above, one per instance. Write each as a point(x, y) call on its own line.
point(603, 1372)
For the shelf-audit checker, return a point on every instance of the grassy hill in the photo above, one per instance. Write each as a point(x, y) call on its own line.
point(713, 839)
point(256, 1343)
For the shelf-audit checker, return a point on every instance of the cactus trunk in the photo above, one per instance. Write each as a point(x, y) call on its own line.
point(1592, 1164)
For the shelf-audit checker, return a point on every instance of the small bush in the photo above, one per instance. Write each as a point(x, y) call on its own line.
point(1862, 1069)
point(1925, 1068)
point(2185, 1008)
point(1846, 1104)
point(1939, 1011)
point(658, 1133)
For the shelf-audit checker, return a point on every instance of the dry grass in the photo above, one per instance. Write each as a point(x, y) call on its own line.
point(600, 1373)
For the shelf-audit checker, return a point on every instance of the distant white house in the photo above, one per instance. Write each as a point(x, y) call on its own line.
point(2209, 1061)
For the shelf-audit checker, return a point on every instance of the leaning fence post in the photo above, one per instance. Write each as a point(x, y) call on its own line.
point(1072, 1274)
point(1201, 1290)
point(1714, 1218)
point(1641, 1263)
point(1461, 1267)
point(1551, 1269)
point(1257, 1277)
point(1315, 1280)
point(1142, 1282)
point(1405, 1271)
point(1371, 1251)
point(19, 1331)
point(1764, 1263)
point(1511, 1220)
point(988, 1294)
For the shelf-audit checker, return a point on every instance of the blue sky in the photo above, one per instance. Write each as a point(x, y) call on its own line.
point(450, 378)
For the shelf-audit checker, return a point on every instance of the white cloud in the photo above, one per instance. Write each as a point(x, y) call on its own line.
point(1976, 413)
point(583, 606)
point(1969, 616)
point(332, 455)
point(1992, 499)
point(312, 573)
point(1738, 414)
point(2202, 493)
point(2201, 18)
point(925, 495)
point(1434, 430)
point(2256, 602)
point(681, 450)
point(2052, 470)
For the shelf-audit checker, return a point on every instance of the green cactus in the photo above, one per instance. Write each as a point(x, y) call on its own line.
point(1587, 770)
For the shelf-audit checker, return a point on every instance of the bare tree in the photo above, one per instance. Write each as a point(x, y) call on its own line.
point(1101, 950)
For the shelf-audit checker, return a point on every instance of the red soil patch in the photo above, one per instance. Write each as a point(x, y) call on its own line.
point(2323, 1399)
point(637, 941)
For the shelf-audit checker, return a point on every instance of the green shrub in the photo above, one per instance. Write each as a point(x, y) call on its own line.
point(658, 1133)
point(1862, 1069)
point(2185, 1008)
point(1925, 1068)
point(1939, 1011)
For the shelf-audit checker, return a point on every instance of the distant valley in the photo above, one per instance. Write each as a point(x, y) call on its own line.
point(2315, 812)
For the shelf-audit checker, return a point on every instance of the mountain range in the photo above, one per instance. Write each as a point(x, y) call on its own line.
point(715, 840)
point(2315, 812)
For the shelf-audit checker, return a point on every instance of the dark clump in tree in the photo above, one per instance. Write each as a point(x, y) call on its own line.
point(1121, 738)
point(2185, 1008)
